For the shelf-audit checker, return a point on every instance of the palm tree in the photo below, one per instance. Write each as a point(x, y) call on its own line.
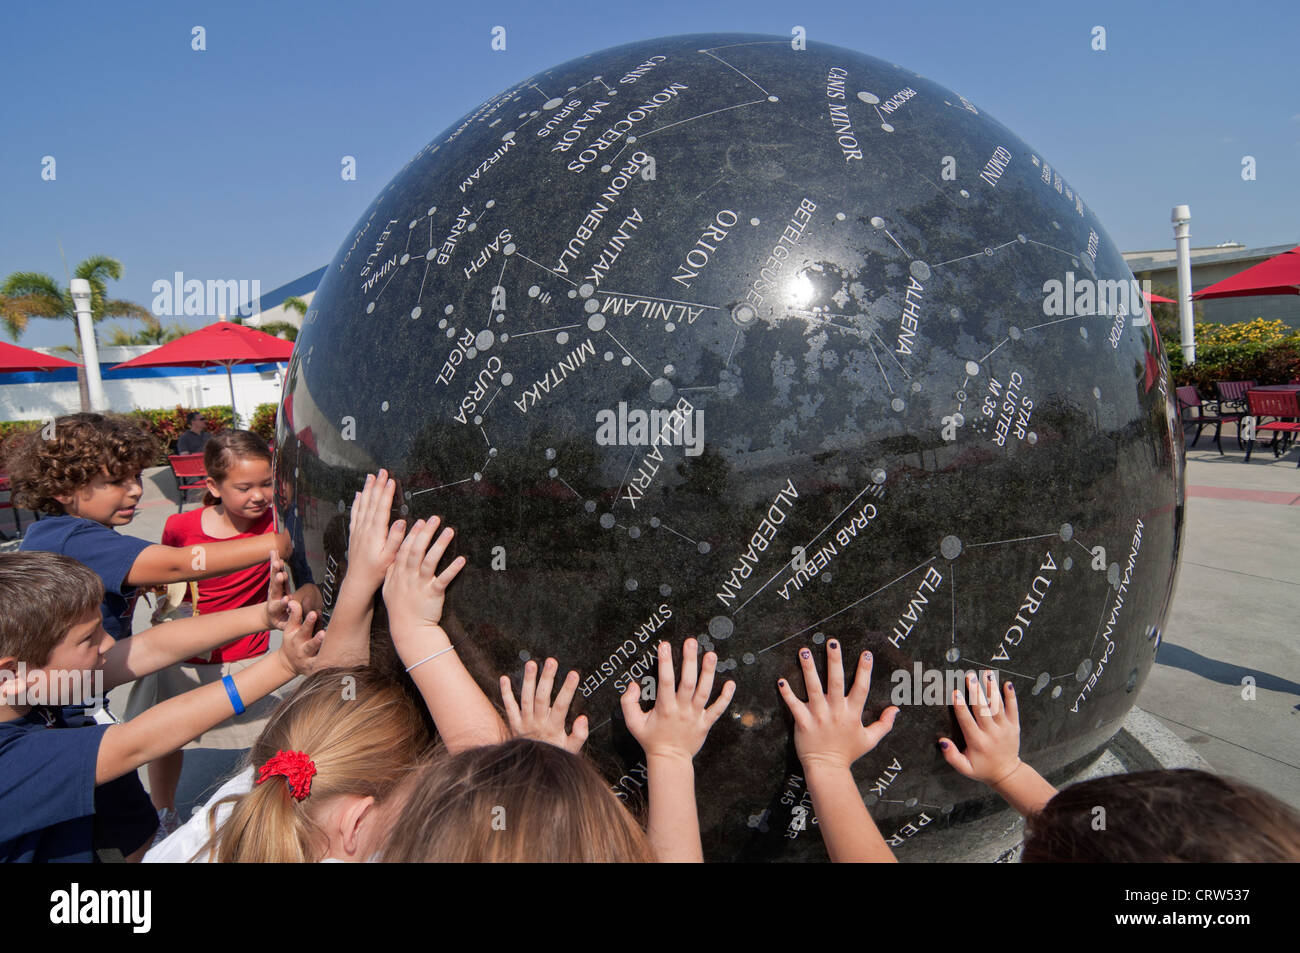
point(281, 329)
point(296, 304)
point(31, 294)
point(150, 334)
point(16, 309)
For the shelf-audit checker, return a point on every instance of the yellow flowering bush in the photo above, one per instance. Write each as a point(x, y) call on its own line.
point(1259, 350)
point(1259, 331)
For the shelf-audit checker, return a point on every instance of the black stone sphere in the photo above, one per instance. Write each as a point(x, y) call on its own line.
point(711, 337)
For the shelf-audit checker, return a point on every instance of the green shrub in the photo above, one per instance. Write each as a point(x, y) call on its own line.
point(10, 427)
point(1264, 351)
point(264, 421)
point(168, 425)
point(165, 424)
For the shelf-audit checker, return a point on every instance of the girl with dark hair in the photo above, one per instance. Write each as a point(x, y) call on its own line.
point(1168, 816)
point(238, 504)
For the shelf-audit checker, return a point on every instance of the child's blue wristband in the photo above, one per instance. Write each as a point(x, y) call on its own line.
point(233, 692)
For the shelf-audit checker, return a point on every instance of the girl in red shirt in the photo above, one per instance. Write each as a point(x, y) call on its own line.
point(238, 504)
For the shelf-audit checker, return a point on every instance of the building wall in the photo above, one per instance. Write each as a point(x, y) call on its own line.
point(278, 313)
point(1230, 310)
point(38, 396)
point(1150, 266)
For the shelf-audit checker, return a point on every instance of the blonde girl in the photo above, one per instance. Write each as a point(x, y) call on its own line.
point(318, 783)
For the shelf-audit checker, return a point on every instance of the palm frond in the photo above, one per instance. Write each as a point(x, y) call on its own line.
point(295, 304)
point(15, 322)
point(120, 337)
point(17, 310)
point(114, 308)
point(21, 283)
point(279, 329)
point(151, 335)
point(98, 267)
point(32, 294)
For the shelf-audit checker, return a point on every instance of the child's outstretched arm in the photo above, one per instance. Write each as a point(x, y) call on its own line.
point(159, 565)
point(671, 734)
point(154, 649)
point(413, 594)
point(372, 546)
point(993, 746)
point(535, 717)
point(177, 721)
point(829, 736)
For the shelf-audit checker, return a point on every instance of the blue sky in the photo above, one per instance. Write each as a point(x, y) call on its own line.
point(225, 163)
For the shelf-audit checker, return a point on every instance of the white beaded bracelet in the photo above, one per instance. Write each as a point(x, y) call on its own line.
point(433, 656)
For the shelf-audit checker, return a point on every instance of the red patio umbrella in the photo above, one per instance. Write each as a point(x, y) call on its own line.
point(223, 344)
point(1280, 275)
point(14, 358)
point(1158, 299)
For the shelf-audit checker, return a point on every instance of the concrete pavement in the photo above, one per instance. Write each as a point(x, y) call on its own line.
point(1227, 675)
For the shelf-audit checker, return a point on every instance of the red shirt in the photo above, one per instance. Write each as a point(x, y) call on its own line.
point(245, 587)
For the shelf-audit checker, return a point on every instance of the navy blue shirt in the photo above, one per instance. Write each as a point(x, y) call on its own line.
point(50, 808)
point(191, 442)
point(103, 549)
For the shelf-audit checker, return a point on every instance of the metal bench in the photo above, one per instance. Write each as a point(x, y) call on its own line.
point(1231, 395)
point(189, 472)
point(8, 504)
point(1189, 400)
point(1284, 407)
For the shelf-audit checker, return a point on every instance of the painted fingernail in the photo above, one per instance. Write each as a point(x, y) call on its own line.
point(805, 654)
point(867, 656)
point(1011, 688)
point(832, 644)
point(943, 745)
point(781, 682)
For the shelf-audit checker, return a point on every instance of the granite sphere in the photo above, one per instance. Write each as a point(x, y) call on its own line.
point(712, 337)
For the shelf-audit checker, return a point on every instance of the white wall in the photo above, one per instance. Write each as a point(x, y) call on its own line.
point(202, 388)
point(277, 313)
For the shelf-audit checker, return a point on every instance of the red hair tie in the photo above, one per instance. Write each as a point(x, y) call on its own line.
point(297, 768)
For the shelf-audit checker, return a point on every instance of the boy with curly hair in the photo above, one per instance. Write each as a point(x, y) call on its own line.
point(87, 476)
